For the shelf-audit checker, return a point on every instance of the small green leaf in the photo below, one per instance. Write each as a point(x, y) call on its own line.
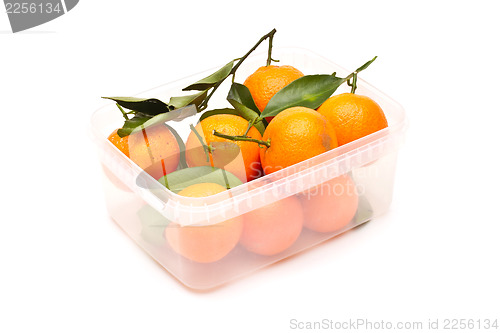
point(365, 66)
point(147, 106)
point(308, 91)
point(209, 113)
point(241, 99)
point(180, 179)
point(181, 101)
point(213, 79)
point(249, 115)
point(242, 95)
point(162, 118)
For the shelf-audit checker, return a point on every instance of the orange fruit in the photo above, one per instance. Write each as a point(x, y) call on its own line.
point(204, 244)
point(296, 134)
point(120, 143)
point(238, 157)
point(155, 150)
point(266, 81)
point(273, 228)
point(330, 206)
point(353, 116)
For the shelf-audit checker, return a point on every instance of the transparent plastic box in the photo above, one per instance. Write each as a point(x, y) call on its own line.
point(331, 193)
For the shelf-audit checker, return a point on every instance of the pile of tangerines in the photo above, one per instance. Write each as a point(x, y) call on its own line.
point(295, 130)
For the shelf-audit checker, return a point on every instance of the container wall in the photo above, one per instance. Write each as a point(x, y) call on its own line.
point(205, 242)
point(207, 256)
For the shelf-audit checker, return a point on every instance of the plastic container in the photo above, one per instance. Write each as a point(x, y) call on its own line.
point(357, 186)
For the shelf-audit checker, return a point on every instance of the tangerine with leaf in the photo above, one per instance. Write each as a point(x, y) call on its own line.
point(266, 81)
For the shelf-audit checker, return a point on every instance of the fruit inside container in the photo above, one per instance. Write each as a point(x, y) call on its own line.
point(288, 156)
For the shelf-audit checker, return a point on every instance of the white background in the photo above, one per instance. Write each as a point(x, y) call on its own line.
point(66, 267)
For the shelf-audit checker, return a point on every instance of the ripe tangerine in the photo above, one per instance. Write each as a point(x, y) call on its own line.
point(266, 81)
point(238, 157)
point(353, 116)
point(155, 150)
point(204, 244)
point(272, 229)
point(330, 206)
point(296, 134)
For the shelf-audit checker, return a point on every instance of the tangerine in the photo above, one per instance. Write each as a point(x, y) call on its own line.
point(353, 116)
point(240, 158)
point(120, 143)
point(155, 150)
point(330, 206)
point(273, 228)
point(204, 244)
point(295, 135)
point(266, 81)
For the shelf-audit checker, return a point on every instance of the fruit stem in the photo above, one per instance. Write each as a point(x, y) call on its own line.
point(242, 138)
point(165, 173)
point(250, 124)
point(270, 50)
point(206, 149)
point(352, 83)
point(269, 35)
point(354, 75)
point(226, 181)
point(124, 114)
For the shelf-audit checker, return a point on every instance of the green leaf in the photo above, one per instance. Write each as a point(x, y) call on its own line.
point(209, 113)
point(180, 179)
point(182, 147)
point(364, 212)
point(249, 115)
point(308, 91)
point(147, 106)
point(181, 101)
point(141, 121)
point(129, 125)
point(365, 66)
point(153, 225)
point(240, 98)
point(213, 79)
point(242, 95)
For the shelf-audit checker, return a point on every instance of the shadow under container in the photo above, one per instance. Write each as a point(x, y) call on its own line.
point(307, 203)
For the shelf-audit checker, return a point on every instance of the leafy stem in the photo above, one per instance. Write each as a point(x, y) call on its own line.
point(307, 91)
point(270, 49)
point(250, 124)
point(352, 78)
point(124, 114)
point(242, 138)
point(269, 35)
point(352, 83)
